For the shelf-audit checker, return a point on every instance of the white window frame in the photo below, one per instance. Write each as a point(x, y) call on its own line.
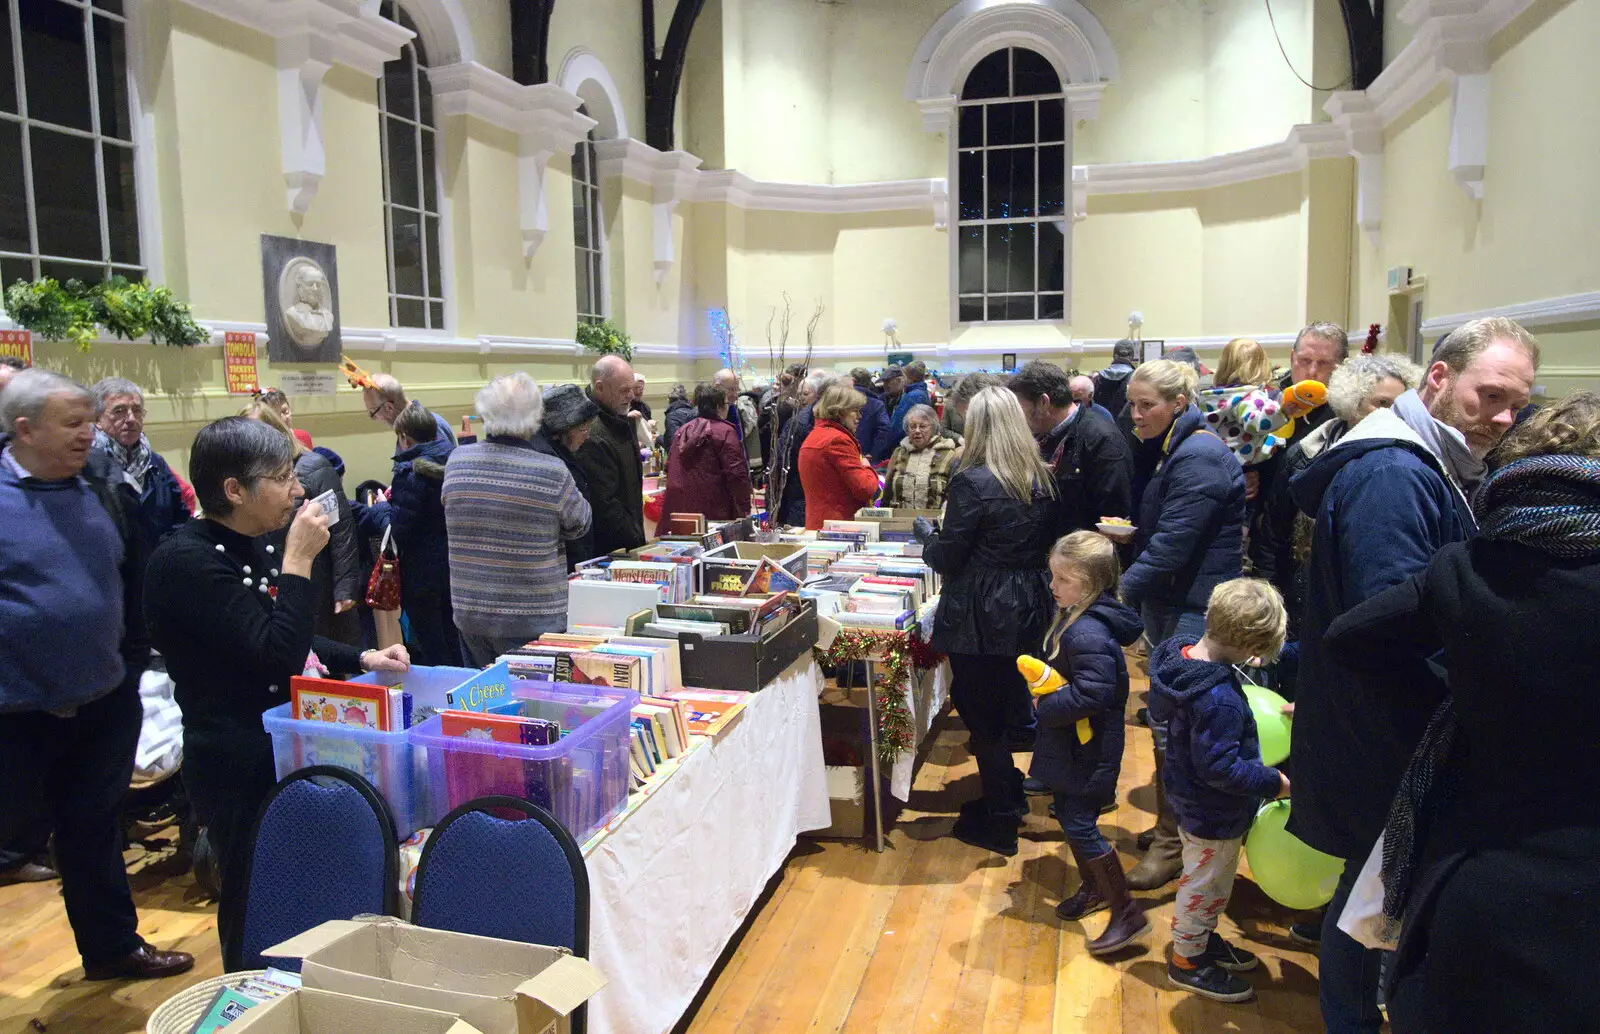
point(1040, 222)
point(140, 142)
point(594, 209)
point(435, 282)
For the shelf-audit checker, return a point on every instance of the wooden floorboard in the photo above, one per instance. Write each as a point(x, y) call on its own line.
point(930, 936)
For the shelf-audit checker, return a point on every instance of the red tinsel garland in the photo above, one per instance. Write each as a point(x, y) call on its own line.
point(902, 656)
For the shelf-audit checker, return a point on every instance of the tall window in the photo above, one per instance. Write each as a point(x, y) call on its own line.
point(1011, 189)
point(67, 202)
point(586, 231)
point(410, 184)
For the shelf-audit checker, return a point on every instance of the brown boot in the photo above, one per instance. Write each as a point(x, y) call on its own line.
point(1127, 918)
point(1163, 859)
point(1088, 899)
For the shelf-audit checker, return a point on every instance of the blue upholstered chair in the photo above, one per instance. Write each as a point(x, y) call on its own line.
point(323, 848)
point(520, 879)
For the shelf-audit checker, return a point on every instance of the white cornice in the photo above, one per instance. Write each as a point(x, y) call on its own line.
point(670, 177)
point(1305, 142)
point(735, 188)
point(353, 32)
point(1569, 308)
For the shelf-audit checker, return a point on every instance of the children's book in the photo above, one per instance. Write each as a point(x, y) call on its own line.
point(345, 703)
point(485, 690)
point(711, 710)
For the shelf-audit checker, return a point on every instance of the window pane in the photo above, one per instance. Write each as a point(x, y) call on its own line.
point(1052, 121)
point(987, 78)
point(1010, 123)
point(56, 63)
point(8, 80)
point(1011, 258)
point(64, 271)
point(408, 312)
point(122, 206)
point(970, 261)
point(585, 296)
point(13, 198)
point(402, 145)
point(64, 193)
point(1011, 183)
point(1052, 180)
point(12, 270)
point(1033, 74)
point(111, 69)
point(114, 6)
point(580, 210)
point(1016, 307)
point(436, 315)
point(1052, 247)
point(971, 310)
point(597, 283)
point(398, 99)
point(407, 253)
point(970, 177)
point(972, 126)
point(424, 96)
point(435, 288)
point(430, 170)
point(1050, 307)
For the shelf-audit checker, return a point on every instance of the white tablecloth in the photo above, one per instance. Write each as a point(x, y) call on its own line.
point(672, 883)
point(925, 699)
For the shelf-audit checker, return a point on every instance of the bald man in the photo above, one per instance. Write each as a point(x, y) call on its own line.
point(610, 459)
point(385, 399)
point(742, 414)
point(1083, 395)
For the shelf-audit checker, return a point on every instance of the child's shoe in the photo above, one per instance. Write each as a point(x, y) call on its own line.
point(1208, 980)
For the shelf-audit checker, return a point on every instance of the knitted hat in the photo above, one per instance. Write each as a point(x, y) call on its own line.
point(565, 407)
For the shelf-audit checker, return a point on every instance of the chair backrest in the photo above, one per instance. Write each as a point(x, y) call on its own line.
point(519, 880)
point(323, 848)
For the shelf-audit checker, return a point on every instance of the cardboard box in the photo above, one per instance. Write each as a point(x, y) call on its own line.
point(324, 1012)
point(499, 987)
point(897, 527)
point(747, 662)
point(733, 564)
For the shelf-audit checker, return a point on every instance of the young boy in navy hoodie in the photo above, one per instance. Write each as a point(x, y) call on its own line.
point(1214, 777)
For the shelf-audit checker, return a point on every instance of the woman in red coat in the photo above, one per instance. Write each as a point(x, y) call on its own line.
point(707, 471)
point(836, 479)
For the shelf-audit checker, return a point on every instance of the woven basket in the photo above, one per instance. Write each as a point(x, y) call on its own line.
point(183, 1010)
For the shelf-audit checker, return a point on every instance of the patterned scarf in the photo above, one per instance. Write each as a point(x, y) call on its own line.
point(135, 461)
point(1549, 503)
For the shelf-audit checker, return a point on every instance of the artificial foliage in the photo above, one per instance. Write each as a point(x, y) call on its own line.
point(76, 311)
point(902, 656)
point(604, 338)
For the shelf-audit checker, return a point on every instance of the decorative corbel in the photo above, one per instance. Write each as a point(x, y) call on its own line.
point(670, 176)
point(1469, 132)
point(303, 60)
point(1080, 193)
point(1354, 113)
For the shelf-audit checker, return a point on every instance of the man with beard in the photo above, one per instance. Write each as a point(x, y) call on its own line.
point(1390, 495)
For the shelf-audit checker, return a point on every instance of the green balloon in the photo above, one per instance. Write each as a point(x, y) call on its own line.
point(1272, 725)
point(1288, 870)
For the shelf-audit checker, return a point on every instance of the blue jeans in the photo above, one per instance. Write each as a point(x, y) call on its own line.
point(1348, 971)
point(1080, 821)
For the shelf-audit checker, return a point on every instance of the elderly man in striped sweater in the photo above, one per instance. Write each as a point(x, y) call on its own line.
point(508, 508)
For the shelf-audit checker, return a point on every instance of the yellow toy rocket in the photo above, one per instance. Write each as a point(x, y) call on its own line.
point(1044, 680)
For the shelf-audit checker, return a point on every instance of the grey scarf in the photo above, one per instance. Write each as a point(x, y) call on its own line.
point(1444, 441)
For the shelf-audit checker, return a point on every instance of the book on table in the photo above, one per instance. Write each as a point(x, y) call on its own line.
point(469, 774)
point(711, 711)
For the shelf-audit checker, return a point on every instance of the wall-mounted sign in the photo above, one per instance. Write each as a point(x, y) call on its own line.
point(17, 344)
point(239, 362)
point(308, 383)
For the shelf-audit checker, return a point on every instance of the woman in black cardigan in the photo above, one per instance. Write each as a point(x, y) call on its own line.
point(233, 616)
point(992, 552)
point(1492, 849)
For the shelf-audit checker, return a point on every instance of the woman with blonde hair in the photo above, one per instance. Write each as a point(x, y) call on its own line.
point(1190, 539)
point(836, 478)
point(336, 574)
point(996, 602)
point(1243, 361)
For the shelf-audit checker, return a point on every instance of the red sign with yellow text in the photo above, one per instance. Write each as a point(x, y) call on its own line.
point(18, 344)
point(239, 362)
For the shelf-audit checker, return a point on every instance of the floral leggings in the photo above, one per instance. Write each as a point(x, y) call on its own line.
point(1209, 867)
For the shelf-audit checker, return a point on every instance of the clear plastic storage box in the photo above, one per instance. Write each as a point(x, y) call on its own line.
point(582, 779)
point(388, 760)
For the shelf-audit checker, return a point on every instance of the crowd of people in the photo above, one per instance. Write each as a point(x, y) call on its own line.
point(1394, 561)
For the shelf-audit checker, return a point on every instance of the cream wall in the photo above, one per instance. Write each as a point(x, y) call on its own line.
point(1533, 235)
point(611, 29)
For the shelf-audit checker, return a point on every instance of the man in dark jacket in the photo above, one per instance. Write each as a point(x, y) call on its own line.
point(872, 430)
point(1317, 350)
point(72, 649)
point(568, 420)
point(1384, 500)
point(119, 433)
point(1093, 467)
point(916, 394)
point(610, 459)
point(1111, 384)
point(679, 412)
point(415, 513)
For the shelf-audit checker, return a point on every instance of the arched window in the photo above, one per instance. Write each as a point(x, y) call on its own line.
point(410, 184)
point(1012, 156)
point(67, 201)
point(586, 233)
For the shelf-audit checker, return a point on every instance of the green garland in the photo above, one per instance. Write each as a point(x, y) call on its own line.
point(604, 338)
point(76, 311)
point(895, 672)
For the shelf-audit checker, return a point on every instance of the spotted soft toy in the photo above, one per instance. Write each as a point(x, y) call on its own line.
point(1256, 421)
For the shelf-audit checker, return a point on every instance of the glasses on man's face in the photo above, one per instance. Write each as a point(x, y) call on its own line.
point(121, 413)
point(372, 414)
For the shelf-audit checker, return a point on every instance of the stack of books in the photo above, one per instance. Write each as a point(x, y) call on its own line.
point(358, 704)
point(660, 733)
point(724, 615)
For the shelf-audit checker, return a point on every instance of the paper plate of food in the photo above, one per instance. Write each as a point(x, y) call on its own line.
point(1119, 528)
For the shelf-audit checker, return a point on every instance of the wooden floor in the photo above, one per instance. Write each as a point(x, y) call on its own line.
point(929, 936)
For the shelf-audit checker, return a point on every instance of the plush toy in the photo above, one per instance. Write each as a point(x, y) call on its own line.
point(1042, 681)
point(357, 377)
point(1256, 421)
